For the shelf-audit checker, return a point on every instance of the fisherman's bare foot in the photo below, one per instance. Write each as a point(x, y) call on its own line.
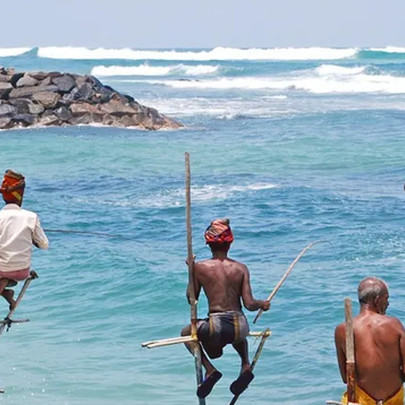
point(207, 385)
point(242, 382)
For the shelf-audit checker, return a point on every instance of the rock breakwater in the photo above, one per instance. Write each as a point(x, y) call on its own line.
point(57, 99)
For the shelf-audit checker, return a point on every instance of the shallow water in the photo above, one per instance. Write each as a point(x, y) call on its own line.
point(287, 166)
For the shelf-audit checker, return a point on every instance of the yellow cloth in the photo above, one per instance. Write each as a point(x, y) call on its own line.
point(364, 399)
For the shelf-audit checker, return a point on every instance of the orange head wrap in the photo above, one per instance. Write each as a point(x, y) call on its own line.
point(219, 232)
point(12, 187)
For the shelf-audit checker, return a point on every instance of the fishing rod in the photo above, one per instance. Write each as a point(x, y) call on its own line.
point(289, 270)
point(109, 235)
point(84, 232)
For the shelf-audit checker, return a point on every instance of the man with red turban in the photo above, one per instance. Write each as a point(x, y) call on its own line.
point(226, 283)
point(19, 230)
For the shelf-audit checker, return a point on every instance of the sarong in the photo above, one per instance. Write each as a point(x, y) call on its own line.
point(364, 399)
point(14, 276)
point(220, 329)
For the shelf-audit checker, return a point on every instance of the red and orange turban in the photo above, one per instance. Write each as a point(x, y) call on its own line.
point(219, 232)
point(12, 187)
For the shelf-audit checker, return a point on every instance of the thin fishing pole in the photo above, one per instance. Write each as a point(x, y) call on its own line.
point(109, 235)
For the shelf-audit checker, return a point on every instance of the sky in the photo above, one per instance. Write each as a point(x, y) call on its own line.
point(151, 24)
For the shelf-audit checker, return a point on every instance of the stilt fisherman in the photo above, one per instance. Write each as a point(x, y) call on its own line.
point(19, 230)
point(379, 348)
point(225, 282)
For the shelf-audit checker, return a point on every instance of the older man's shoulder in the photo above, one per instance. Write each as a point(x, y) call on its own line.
point(394, 322)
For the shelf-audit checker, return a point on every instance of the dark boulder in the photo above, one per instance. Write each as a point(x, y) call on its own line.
point(6, 123)
point(47, 98)
point(24, 119)
point(26, 81)
point(64, 83)
point(5, 89)
point(63, 114)
point(7, 109)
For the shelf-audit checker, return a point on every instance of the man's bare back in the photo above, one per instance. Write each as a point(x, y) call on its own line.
point(225, 282)
point(379, 349)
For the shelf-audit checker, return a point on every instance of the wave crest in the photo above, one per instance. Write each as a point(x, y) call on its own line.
point(5, 52)
point(146, 70)
point(326, 79)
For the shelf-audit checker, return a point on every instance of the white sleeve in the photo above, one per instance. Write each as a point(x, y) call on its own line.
point(39, 236)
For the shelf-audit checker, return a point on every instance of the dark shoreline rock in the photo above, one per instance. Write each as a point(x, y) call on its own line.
point(30, 99)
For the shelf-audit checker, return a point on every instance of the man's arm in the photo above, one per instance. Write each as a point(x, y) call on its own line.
point(402, 348)
point(39, 238)
point(197, 285)
point(340, 342)
point(249, 301)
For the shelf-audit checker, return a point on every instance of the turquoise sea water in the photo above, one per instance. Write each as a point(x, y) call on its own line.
point(291, 150)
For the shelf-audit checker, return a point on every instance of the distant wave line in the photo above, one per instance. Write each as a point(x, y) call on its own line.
point(218, 53)
point(147, 70)
point(388, 49)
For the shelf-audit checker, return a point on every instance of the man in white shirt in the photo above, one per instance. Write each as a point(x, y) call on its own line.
point(19, 230)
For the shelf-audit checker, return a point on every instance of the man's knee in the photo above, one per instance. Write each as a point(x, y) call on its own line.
point(186, 331)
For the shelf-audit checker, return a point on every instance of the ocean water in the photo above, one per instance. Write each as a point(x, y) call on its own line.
point(293, 145)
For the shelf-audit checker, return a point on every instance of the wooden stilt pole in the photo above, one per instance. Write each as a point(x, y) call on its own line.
point(7, 322)
point(350, 361)
point(191, 289)
point(259, 349)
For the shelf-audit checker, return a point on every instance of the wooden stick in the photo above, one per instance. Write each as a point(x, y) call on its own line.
point(265, 335)
point(289, 270)
point(350, 362)
point(7, 319)
point(191, 289)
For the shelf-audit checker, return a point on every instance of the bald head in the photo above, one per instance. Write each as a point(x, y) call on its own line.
point(370, 289)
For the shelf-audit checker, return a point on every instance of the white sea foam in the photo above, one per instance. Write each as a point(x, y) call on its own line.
point(389, 49)
point(147, 70)
point(4, 52)
point(219, 53)
point(340, 70)
point(322, 80)
point(221, 107)
point(201, 194)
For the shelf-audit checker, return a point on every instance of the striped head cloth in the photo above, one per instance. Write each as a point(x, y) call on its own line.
point(219, 232)
point(12, 187)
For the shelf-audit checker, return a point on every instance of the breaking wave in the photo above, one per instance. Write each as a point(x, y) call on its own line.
point(146, 70)
point(5, 52)
point(321, 80)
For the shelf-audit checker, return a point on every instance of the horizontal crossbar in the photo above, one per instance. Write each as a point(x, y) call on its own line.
point(10, 321)
point(186, 339)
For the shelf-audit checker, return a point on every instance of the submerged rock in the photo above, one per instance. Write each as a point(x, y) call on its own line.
point(45, 99)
